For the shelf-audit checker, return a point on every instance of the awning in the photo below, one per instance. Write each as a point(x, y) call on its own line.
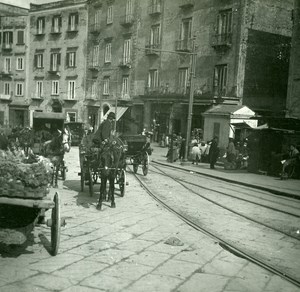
point(241, 125)
point(120, 112)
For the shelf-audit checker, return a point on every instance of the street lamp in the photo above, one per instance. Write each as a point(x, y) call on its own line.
point(191, 102)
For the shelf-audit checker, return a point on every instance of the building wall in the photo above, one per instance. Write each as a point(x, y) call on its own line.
point(13, 78)
point(293, 97)
point(64, 42)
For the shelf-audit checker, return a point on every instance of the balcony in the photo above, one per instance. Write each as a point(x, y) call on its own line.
point(222, 40)
point(72, 28)
point(37, 97)
point(185, 4)
point(185, 45)
point(94, 66)
point(40, 32)
point(91, 96)
point(154, 9)
point(127, 20)
point(5, 96)
point(54, 70)
point(55, 30)
point(125, 63)
point(7, 47)
point(95, 28)
point(152, 49)
point(6, 73)
point(152, 90)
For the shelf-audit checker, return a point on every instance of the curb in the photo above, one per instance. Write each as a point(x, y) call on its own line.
point(273, 191)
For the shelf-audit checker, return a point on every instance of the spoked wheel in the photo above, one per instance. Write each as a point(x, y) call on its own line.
point(90, 182)
point(55, 226)
point(122, 182)
point(82, 179)
point(135, 166)
point(145, 164)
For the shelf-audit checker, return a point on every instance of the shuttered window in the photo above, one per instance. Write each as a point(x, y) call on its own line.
point(107, 57)
point(20, 37)
point(126, 51)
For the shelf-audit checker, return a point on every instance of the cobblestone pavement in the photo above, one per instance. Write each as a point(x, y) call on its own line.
point(139, 246)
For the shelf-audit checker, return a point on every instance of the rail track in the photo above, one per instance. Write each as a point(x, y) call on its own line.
point(289, 273)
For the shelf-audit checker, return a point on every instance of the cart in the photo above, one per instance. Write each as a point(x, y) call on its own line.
point(33, 208)
point(138, 152)
point(44, 125)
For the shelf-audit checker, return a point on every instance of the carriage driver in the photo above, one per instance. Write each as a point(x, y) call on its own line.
point(105, 129)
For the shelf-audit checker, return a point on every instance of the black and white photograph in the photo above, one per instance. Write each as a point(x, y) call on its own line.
point(150, 145)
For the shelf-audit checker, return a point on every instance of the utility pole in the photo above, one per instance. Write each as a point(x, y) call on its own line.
point(191, 102)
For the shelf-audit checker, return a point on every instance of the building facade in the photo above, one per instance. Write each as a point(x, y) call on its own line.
point(57, 58)
point(293, 97)
point(13, 65)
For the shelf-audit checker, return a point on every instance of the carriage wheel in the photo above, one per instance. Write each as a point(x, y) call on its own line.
point(135, 165)
point(82, 177)
point(122, 182)
point(90, 182)
point(145, 164)
point(55, 226)
point(63, 172)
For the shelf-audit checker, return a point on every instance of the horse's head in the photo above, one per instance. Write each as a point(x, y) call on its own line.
point(66, 140)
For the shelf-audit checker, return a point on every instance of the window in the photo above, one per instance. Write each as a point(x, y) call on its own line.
point(155, 35)
point(109, 18)
point(128, 11)
point(94, 89)
point(126, 51)
point(216, 131)
point(73, 22)
point(7, 64)
point(71, 89)
point(96, 51)
point(7, 38)
point(186, 29)
point(7, 88)
point(71, 59)
point(224, 22)
point(19, 89)
point(20, 63)
point(40, 25)
point(39, 89)
point(20, 37)
point(56, 24)
point(97, 19)
point(220, 80)
point(38, 60)
point(107, 57)
point(106, 85)
point(55, 87)
point(183, 78)
point(153, 79)
point(125, 86)
point(54, 62)
point(71, 116)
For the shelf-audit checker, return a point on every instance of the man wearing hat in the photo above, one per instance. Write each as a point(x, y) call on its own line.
point(103, 133)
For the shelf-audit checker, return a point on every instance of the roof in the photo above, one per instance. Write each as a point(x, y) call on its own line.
point(229, 109)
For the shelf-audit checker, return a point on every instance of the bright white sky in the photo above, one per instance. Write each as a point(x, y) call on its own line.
point(25, 3)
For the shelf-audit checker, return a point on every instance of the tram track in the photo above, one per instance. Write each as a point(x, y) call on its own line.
point(226, 244)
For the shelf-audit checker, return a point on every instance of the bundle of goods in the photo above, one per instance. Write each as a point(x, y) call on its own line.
point(25, 177)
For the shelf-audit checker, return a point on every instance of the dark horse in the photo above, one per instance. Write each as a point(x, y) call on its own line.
point(112, 159)
point(55, 150)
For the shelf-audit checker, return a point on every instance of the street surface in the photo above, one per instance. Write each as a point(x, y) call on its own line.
point(138, 246)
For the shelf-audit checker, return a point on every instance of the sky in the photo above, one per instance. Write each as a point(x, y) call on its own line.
point(25, 3)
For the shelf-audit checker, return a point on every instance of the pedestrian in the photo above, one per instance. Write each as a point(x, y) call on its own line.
point(104, 132)
point(203, 147)
point(231, 151)
point(213, 152)
point(196, 154)
point(182, 149)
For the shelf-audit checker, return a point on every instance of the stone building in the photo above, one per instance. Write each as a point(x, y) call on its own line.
point(57, 57)
point(13, 65)
point(293, 97)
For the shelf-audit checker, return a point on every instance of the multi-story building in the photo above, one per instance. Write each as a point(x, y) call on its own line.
point(141, 51)
point(293, 98)
point(13, 65)
point(57, 58)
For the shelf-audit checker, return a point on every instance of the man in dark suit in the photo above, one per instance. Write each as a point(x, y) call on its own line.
point(103, 133)
point(213, 152)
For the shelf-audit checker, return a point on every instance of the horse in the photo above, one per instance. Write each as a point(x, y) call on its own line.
point(55, 149)
point(112, 159)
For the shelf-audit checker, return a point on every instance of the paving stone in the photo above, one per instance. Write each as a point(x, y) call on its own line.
point(21, 287)
point(49, 282)
point(176, 268)
point(149, 258)
point(106, 282)
point(278, 284)
point(154, 236)
point(10, 275)
point(205, 282)
point(55, 263)
point(166, 248)
point(118, 237)
point(79, 288)
point(198, 256)
point(78, 271)
point(155, 283)
point(131, 271)
point(92, 247)
point(77, 231)
point(135, 245)
point(110, 256)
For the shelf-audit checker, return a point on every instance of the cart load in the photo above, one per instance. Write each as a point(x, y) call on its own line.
point(24, 176)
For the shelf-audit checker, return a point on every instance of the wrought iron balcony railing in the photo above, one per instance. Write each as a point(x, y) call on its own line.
point(185, 45)
point(222, 40)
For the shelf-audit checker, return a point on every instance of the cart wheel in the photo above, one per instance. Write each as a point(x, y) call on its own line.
point(135, 165)
point(122, 182)
point(90, 178)
point(82, 176)
point(145, 164)
point(63, 172)
point(55, 227)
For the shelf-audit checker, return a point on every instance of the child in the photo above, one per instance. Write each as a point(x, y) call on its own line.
point(196, 154)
